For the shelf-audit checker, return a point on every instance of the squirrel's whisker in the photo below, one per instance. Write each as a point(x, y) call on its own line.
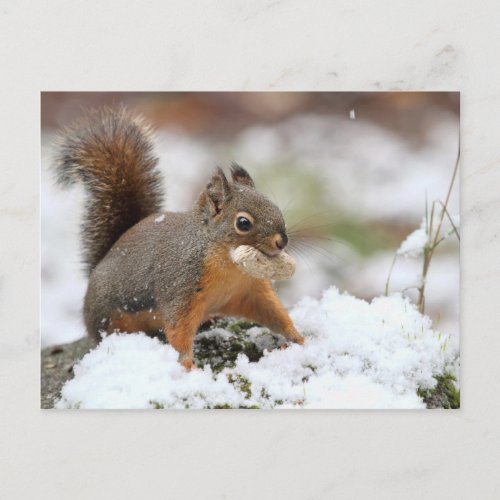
point(330, 226)
point(331, 217)
point(323, 252)
point(302, 255)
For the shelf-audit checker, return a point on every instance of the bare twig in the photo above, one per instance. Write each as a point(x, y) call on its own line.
point(455, 230)
point(390, 274)
point(434, 238)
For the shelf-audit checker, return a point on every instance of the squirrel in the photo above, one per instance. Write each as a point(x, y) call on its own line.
point(151, 270)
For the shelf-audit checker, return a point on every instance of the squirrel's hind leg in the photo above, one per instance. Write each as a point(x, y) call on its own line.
point(181, 334)
point(142, 321)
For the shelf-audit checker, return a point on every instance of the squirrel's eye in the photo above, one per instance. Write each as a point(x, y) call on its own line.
point(243, 224)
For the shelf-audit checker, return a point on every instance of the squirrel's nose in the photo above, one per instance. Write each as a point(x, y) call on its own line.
point(281, 240)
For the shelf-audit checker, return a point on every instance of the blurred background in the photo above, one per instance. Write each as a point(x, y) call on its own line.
point(352, 169)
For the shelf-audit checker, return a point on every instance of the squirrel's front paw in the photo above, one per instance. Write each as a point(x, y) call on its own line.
point(187, 363)
point(299, 340)
point(296, 337)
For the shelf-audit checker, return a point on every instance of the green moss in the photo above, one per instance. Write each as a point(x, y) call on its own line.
point(219, 352)
point(241, 383)
point(443, 395)
point(264, 394)
point(237, 326)
point(236, 346)
point(156, 405)
point(229, 407)
point(252, 352)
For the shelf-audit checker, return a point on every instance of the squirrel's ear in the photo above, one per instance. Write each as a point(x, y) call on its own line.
point(216, 193)
point(241, 176)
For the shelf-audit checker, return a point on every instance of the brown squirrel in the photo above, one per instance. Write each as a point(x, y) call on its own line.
point(151, 270)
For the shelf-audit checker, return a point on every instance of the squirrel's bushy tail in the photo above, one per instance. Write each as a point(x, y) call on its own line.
point(110, 151)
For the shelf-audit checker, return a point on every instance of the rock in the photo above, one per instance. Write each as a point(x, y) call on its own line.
point(57, 367)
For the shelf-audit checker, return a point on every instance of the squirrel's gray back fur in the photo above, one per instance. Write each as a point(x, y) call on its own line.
point(159, 264)
point(110, 151)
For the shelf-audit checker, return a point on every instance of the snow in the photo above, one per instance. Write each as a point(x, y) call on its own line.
point(160, 218)
point(356, 355)
point(414, 244)
point(442, 285)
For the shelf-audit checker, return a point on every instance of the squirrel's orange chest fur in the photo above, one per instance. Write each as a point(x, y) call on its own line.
point(222, 280)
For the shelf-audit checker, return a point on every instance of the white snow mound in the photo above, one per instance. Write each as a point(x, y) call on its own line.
point(356, 355)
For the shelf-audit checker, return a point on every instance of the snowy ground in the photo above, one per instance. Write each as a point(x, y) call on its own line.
point(357, 355)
